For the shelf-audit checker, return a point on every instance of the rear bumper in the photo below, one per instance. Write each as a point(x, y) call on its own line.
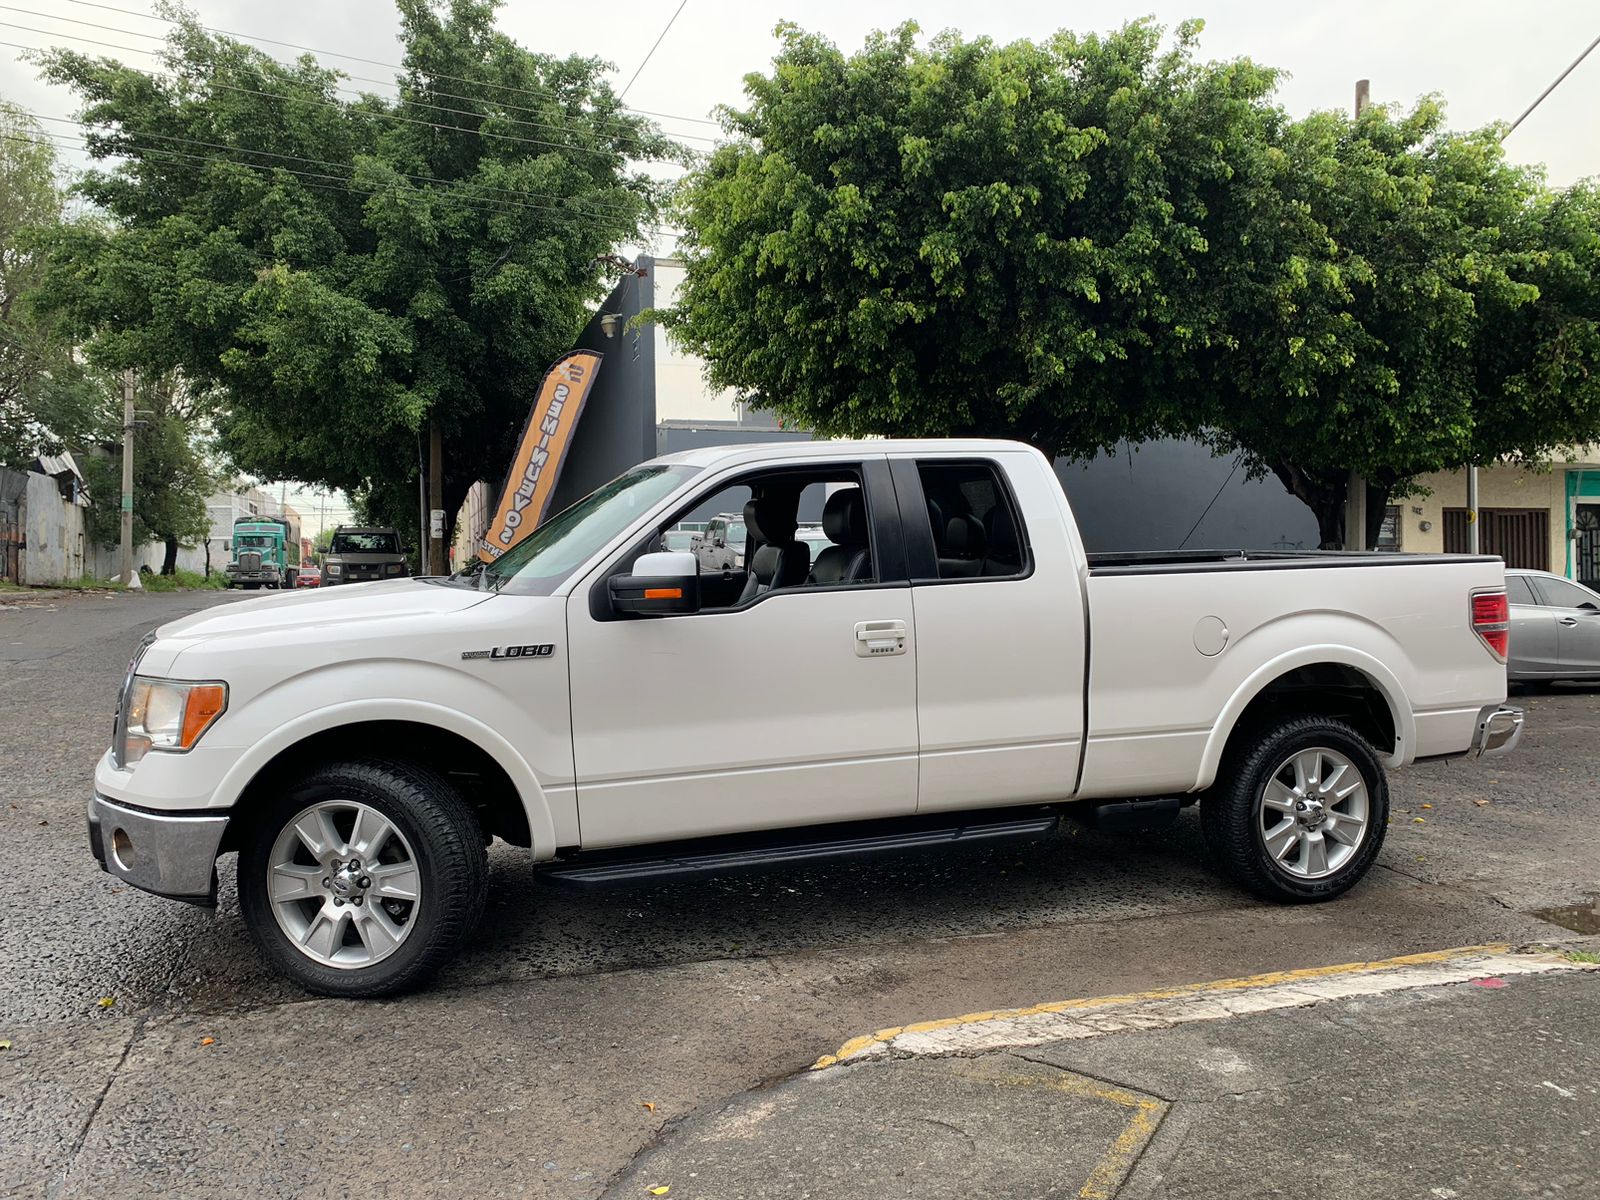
point(1499, 729)
point(169, 854)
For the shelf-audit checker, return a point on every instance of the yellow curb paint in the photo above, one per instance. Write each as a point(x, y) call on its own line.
point(1114, 1165)
point(859, 1045)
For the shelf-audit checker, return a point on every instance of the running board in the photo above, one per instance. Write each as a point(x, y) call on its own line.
point(690, 860)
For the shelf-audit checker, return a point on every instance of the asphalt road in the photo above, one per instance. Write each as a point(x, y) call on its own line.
point(579, 1023)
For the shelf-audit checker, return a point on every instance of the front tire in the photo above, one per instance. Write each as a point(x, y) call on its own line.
point(363, 878)
point(1299, 810)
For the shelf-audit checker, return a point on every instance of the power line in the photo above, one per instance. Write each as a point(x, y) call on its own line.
point(336, 184)
point(593, 208)
point(1540, 99)
point(372, 62)
point(620, 126)
point(651, 54)
point(334, 104)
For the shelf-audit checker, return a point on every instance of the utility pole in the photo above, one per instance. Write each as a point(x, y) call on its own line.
point(125, 558)
point(438, 560)
point(1355, 497)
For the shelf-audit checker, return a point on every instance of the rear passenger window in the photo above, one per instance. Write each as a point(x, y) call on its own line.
point(977, 533)
point(1518, 591)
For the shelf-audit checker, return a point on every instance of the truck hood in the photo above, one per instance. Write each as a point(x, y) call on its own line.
point(387, 600)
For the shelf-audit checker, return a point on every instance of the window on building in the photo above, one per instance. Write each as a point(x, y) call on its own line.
point(1389, 531)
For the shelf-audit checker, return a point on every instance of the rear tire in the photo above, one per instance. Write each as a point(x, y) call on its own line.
point(427, 843)
point(1299, 810)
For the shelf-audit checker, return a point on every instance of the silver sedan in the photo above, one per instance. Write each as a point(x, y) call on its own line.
point(1555, 628)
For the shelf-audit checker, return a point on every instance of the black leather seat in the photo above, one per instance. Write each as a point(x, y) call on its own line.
point(778, 561)
point(1004, 553)
point(961, 553)
point(844, 520)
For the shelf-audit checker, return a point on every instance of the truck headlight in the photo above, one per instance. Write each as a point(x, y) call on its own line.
point(334, 569)
point(166, 714)
point(395, 568)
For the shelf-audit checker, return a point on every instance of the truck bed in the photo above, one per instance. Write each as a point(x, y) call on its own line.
point(1166, 562)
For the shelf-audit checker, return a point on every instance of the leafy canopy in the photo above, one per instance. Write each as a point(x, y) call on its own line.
point(344, 269)
point(1088, 239)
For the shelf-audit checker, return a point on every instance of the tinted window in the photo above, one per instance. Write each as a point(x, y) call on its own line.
point(364, 543)
point(976, 530)
point(1559, 593)
point(1518, 591)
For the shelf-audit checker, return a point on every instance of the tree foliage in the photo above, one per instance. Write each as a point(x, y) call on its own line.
point(345, 269)
point(48, 401)
point(1089, 239)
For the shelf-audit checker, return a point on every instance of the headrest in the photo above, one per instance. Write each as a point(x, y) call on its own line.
point(963, 538)
point(844, 517)
point(769, 524)
point(1002, 532)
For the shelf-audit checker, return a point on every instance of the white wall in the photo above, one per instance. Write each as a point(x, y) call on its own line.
point(682, 393)
point(53, 529)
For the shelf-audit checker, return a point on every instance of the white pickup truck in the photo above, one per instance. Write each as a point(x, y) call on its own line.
point(952, 667)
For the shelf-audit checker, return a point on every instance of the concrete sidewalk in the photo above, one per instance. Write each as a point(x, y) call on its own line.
point(1484, 1087)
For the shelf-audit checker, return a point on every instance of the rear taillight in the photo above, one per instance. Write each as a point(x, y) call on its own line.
point(1491, 621)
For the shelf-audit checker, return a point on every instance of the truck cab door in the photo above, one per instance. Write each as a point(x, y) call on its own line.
point(757, 711)
point(1000, 629)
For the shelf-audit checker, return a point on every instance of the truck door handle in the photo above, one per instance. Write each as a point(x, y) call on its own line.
point(875, 639)
point(1567, 621)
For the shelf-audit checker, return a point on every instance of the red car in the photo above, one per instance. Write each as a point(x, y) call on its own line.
point(308, 577)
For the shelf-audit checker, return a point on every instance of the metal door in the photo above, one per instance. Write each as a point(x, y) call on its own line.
point(1588, 548)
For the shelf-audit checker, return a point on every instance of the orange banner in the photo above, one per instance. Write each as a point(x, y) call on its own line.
point(545, 440)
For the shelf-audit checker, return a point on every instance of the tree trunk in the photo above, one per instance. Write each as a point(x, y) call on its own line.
point(1324, 493)
point(169, 564)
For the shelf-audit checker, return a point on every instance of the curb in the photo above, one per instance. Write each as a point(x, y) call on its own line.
point(1097, 1016)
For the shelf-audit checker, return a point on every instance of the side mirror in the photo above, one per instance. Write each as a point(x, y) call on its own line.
point(720, 543)
point(662, 584)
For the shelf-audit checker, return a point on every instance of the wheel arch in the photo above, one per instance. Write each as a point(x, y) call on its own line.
point(1337, 681)
point(493, 777)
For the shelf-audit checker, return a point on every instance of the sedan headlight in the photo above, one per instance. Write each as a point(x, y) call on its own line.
point(166, 714)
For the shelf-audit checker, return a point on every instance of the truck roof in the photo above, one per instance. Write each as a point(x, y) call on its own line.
point(711, 456)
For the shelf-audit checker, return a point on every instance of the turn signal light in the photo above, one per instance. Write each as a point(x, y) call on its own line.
point(663, 593)
point(1491, 621)
point(206, 702)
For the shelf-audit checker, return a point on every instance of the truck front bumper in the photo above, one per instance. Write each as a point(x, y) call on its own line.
point(170, 854)
point(1499, 729)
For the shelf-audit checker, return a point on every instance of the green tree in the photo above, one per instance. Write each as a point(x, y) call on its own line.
point(1087, 239)
point(47, 399)
point(346, 270)
point(1407, 302)
point(968, 238)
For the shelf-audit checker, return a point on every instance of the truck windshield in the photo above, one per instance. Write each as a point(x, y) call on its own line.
point(364, 543)
point(539, 563)
point(256, 540)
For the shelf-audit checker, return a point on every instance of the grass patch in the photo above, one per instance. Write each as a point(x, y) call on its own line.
point(1582, 956)
point(184, 581)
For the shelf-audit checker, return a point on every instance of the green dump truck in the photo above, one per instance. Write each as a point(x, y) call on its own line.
point(265, 553)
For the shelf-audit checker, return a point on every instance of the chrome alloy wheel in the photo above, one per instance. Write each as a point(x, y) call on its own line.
point(344, 884)
point(1314, 813)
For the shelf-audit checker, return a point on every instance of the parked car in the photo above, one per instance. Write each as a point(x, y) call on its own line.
point(679, 539)
point(925, 681)
point(309, 577)
point(1555, 628)
point(722, 543)
point(358, 554)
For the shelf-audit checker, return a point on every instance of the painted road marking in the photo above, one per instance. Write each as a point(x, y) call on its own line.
point(1215, 1000)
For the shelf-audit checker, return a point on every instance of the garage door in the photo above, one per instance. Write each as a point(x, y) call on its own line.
point(1521, 536)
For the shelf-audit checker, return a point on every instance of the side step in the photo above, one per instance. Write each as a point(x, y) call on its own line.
point(726, 855)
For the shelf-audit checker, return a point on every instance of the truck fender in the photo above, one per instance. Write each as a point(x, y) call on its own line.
point(536, 806)
point(1405, 725)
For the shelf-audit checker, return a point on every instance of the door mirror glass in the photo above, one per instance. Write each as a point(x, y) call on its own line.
point(661, 584)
